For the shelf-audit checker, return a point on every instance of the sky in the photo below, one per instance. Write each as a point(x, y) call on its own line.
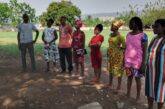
point(88, 6)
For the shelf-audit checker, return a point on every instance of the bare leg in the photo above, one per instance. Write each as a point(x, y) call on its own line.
point(129, 84)
point(47, 68)
point(110, 79)
point(150, 103)
point(138, 85)
point(82, 69)
point(160, 105)
point(119, 83)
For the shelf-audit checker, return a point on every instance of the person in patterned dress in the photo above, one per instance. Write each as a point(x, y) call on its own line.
point(78, 45)
point(155, 71)
point(115, 53)
point(50, 49)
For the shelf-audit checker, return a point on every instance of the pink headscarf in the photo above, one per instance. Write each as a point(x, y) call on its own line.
point(78, 23)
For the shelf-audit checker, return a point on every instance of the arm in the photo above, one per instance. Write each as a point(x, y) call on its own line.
point(43, 35)
point(37, 34)
point(18, 38)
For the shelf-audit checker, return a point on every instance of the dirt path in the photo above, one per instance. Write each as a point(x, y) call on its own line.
point(51, 91)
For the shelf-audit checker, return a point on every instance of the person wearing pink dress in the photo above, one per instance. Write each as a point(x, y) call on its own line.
point(135, 54)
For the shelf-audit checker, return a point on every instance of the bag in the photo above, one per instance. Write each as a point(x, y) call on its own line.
point(81, 52)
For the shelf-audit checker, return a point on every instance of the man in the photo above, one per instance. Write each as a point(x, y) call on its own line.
point(25, 41)
point(65, 41)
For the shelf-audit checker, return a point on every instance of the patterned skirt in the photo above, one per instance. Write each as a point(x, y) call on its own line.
point(51, 53)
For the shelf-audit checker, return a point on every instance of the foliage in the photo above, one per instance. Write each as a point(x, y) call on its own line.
point(58, 9)
point(18, 9)
point(5, 13)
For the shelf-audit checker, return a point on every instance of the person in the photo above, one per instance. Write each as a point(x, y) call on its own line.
point(135, 54)
point(50, 49)
point(115, 53)
point(155, 71)
point(96, 57)
point(78, 45)
point(65, 42)
point(25, 41)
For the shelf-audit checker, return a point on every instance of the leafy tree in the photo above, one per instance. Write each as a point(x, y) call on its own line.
point(18, 9)
point(5, 13)
point(58, 9)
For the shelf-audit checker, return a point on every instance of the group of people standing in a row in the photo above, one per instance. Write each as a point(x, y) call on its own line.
point(130, 54)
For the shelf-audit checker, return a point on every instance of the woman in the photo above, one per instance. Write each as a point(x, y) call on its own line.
point(155, 72)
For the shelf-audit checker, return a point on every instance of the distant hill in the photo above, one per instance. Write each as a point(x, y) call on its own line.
point(97, 15)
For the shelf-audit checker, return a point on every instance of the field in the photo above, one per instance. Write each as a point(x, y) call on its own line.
point(8, 41)
point(40, 90)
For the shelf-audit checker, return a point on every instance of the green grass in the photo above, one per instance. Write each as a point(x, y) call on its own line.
point(8, 41)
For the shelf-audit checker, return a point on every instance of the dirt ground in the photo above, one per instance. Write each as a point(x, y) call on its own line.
point(42, 90)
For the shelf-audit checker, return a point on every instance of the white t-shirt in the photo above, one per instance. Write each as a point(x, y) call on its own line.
point(26, 32)
point(49, 34)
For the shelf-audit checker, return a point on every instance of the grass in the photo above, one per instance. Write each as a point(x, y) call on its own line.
point(8, 41)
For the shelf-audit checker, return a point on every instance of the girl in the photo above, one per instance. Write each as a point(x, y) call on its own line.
point(96, 57)
point(78, 45)
point(155, 72)
point(115, 53)
point(50, 49)
point(135, 53)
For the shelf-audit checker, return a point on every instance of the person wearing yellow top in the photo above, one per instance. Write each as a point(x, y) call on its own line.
point(115, 53)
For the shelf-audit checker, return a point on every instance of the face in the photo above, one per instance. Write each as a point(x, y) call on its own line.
point(49, 23)
point(96, 31)
point(26, 18)
point(158, 29)
point(114, 28)
point(63, 20)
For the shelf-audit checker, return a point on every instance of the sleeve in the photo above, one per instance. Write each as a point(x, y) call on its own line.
point(69, 29)
point(144, 38)
point(34, 27)
point(101, 39)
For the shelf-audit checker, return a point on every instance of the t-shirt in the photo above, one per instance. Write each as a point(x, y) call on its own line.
point(49, 34)
point(96, 49)
point(65, 40)
point(26, 30)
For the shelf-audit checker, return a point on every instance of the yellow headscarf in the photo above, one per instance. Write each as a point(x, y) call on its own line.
point(118, 23)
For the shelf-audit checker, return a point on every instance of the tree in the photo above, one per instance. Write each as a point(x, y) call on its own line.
point(18, 9)
point(58, 9)
point(5, 13)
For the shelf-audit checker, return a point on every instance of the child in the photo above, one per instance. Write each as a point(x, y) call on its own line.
point(78, 45)
point(115, 53)
point(155, 72)
point(50, 49)
point(135, 53)
point(96, 57)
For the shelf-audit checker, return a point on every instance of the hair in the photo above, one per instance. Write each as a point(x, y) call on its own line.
point(137, 22)
point(63, 17)
point(100, 27)
point(50, 20)
point(25, 15)
point(161, 22)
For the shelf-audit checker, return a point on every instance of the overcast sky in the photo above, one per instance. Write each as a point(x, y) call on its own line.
point(88, 6)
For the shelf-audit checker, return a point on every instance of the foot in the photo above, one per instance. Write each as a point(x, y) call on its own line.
point(81, 77)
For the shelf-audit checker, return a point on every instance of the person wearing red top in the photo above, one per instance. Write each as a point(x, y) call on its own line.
point(78, 45)
point(96, 56)
point(65, 42)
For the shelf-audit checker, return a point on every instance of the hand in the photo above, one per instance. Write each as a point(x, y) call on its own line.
point(34, 41)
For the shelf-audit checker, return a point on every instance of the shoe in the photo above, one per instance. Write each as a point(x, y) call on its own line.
point(81, 77)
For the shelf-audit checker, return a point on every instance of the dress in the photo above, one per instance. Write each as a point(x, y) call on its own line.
point(155, 72)
point(50, 50)
point(134, 53)
point(115, 55)
point(78, 46)
point(96, 56)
